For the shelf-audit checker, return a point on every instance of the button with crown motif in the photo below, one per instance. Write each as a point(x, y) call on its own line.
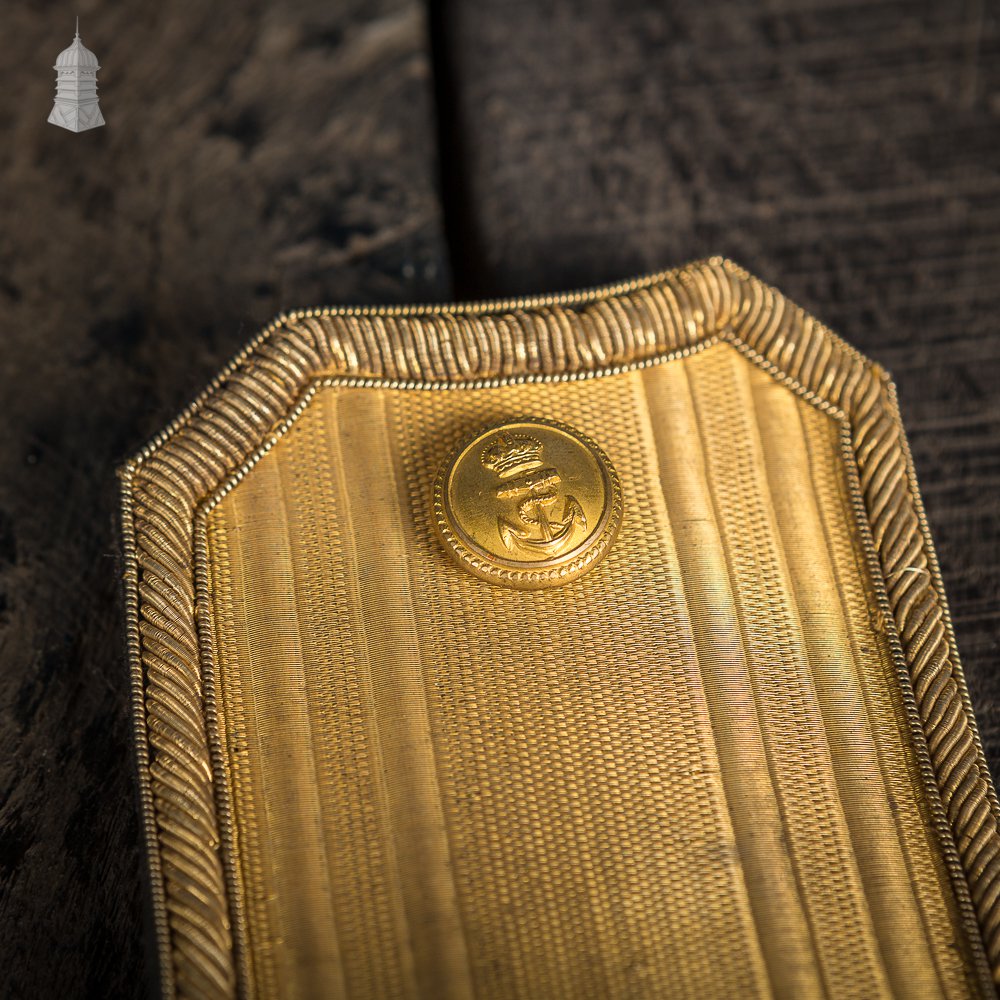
point(528, 503)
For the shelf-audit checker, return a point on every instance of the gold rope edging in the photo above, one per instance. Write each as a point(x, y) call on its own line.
point(533, 339)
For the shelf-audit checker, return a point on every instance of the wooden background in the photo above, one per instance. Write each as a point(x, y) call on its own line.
point(264, 156)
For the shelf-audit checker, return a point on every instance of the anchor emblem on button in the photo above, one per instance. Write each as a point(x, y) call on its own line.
point(516, 459)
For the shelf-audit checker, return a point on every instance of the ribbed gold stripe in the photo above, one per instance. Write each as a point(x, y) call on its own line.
point(340, 712)
point(760, 836)
point(379, 559)
point(308, 962)
point(656, 395)
point(230, 654)
point(787, 705)
point(863, 795)
point(376, 790)
point(891, 747)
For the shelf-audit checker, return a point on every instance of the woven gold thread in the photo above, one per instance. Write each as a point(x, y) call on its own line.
point(214, 438)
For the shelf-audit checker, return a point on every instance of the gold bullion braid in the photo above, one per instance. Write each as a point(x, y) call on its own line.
point(631, 324)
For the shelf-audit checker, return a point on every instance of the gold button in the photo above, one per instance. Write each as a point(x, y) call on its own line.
point(528, 503)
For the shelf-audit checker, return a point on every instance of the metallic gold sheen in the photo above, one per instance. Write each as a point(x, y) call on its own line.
point(528, 503)
point(737, 759)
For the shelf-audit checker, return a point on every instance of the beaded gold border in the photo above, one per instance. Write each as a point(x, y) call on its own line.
point(544, 338)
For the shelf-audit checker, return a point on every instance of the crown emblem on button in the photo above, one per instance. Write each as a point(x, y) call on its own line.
point(508, 454)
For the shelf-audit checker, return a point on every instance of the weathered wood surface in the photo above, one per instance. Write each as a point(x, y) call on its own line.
point(847, 152)
point(256, 157)
point(270, 155)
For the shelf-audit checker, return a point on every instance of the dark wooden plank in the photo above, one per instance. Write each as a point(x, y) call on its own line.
point(256, 157)
point(844, 150)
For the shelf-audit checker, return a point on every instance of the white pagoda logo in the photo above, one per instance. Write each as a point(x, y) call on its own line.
point(76, 106)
